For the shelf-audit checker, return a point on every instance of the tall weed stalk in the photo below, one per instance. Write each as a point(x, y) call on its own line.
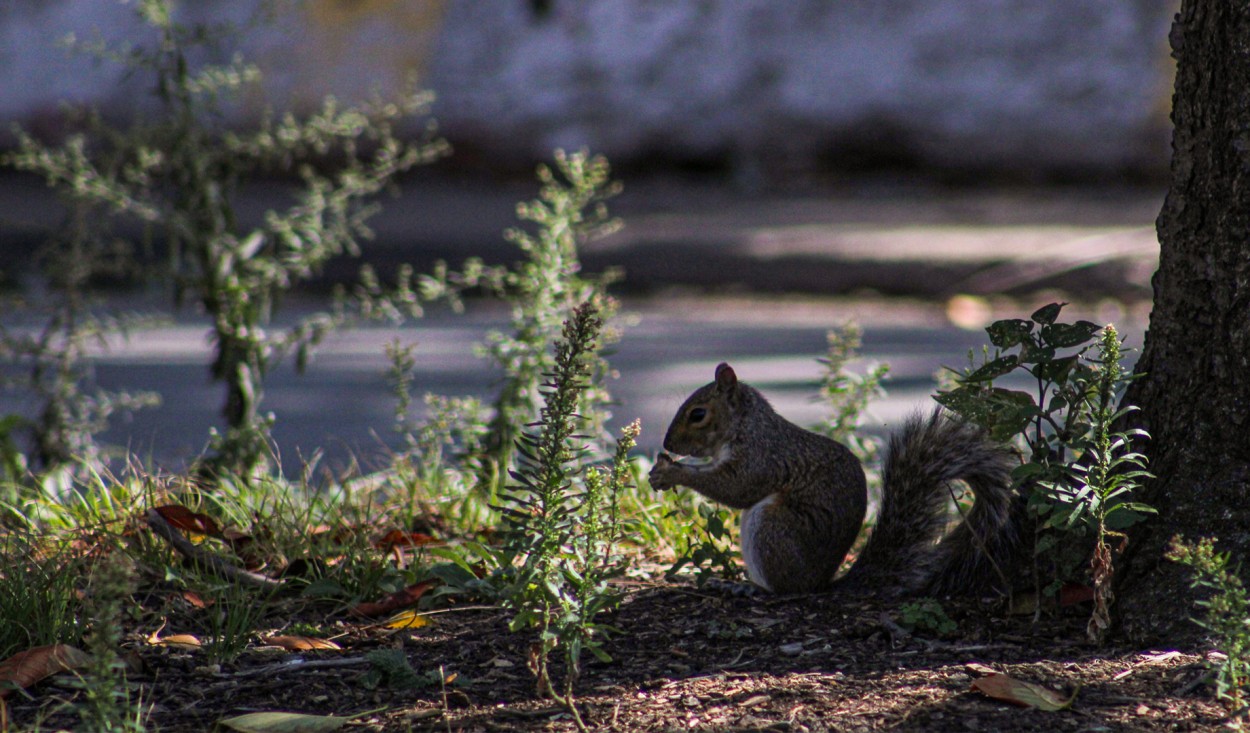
point(545, 289)
point(560, 522)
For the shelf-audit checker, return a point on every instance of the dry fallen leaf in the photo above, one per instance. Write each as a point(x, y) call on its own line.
point(191, 523)
point(1070, 594)
point(400, 599)
point(195, 600)
point(28, 667)
point(1147, 660)
point(301, 643)
point(1019, 692)
point(178, 641)
point(400, 538)
point(275, 722)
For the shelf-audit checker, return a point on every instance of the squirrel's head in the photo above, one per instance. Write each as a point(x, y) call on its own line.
point(704, 420)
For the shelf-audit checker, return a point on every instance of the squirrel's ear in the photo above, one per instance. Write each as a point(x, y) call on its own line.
point(726, 379)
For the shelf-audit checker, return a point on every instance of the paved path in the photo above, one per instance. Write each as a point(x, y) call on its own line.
point(837, 250)
point(893, 239)
point(343, 405)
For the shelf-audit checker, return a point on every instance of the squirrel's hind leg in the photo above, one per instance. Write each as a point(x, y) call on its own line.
point(780, 556)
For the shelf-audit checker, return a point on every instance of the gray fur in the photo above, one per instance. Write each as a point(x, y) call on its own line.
point(817, 495)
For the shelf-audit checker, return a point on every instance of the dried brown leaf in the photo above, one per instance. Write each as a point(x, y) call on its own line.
point(400, 599)
point(1026, 694)
point(189, 522)
point(301, 643)
point(28, 667)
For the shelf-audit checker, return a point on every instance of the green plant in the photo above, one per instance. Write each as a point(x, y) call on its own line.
point(706, 545)
point(847, 394)
point(1042, 416)
point(1078, 472)
point(107, 705)
point(53, 356)
point(545, 289)
point(442, 456)
point(233, 615)
point(1225, 614)
point(38, 592)
point(326, 532)
point(390, 668)
point(926, 615)
point(182, 172)
point(1098, 487)
point(559, 536)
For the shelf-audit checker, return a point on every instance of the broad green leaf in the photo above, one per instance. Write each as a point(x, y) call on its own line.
point(1004, 400)
point(992, 369)
point(965, 402)
point(1008, 333)
point(1026, 471)
point(1064, 335)
point(1047, 314)
point(1033, 354)
point(1055, 370)
point(324, 588)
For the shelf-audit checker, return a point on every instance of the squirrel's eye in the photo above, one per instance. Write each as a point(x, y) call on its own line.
point(697, 414)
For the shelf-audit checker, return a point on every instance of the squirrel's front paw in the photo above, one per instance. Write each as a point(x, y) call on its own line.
point(664, 473)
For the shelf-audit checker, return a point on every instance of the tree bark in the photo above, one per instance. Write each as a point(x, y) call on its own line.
point(1195, 392)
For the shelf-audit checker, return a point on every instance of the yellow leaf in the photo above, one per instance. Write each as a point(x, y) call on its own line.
point(407, 620)
point(275, 722)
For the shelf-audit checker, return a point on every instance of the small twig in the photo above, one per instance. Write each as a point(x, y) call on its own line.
point(536, 713)
point(199, 556)
point(457, 609)
point(737, 660)
point(300, 664)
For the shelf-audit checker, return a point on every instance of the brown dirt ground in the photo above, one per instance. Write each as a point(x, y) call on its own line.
point(690, 659)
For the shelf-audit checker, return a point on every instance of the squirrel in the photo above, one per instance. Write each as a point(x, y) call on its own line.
point(805, 496)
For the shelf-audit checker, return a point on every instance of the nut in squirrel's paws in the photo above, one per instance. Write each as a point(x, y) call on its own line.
point(664, 473)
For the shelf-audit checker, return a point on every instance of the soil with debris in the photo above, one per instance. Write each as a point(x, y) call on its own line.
point(686, 659)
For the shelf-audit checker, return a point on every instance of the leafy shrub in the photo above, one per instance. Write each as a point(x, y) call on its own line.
point(181, 173)
point(1078, 472)
point(1225, 614)
point(51, 354)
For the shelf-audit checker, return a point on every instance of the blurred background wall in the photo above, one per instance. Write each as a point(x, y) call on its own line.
point(762, 89)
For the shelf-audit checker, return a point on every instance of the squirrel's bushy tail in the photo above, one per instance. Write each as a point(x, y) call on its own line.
point(907, 551)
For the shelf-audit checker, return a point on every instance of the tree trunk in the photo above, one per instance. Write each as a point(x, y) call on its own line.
point(1195, 392)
